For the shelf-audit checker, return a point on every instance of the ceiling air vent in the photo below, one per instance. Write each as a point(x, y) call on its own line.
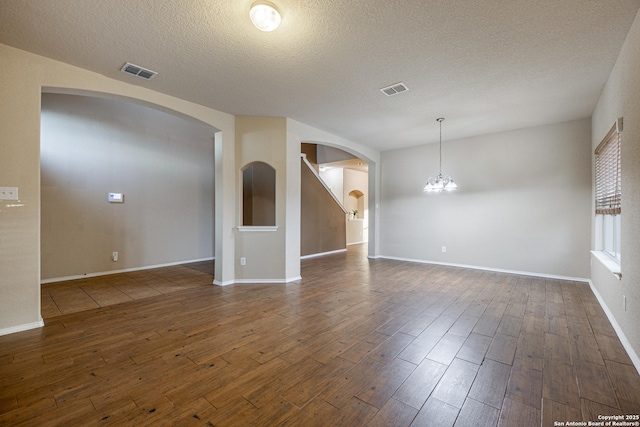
point(394, 89)
point(143, 73)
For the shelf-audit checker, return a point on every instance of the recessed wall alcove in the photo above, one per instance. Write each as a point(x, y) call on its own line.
point(356, 202)
point(258, 195)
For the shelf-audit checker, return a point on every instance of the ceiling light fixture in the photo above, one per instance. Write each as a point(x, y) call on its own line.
point(265, 16)
point(440, 182)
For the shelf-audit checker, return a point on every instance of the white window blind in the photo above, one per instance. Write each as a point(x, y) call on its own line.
point(608, 174)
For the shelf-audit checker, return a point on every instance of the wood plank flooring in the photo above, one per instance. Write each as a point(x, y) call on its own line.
point(73, 296)
point(356, 342)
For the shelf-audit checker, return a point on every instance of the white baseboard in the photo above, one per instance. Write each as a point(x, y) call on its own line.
point(219, 283)
point(261, 281)
point(21, 328)
point(497, 270)
point(623, 339)
point(357, 243)
point(323, 254)
point(125, 270)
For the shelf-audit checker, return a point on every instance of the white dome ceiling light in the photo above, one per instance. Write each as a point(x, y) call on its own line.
point(265, 16)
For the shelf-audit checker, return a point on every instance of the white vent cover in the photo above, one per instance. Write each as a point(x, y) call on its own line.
point(143, 73)
point(394, 89)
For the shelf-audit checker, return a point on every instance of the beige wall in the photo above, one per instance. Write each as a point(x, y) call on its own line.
point(19, 167)
point(621, 98)
point(162, 163)
point(523, 201)
point(356, 231)
point(262, 139)
point(23, 77)
point(258, 194)
point(334, 178)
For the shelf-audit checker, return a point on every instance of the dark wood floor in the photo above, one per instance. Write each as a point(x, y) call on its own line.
point(356, 342)
point(73, 296)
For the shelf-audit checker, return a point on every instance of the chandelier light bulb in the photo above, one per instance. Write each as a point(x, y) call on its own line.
point(265, 16)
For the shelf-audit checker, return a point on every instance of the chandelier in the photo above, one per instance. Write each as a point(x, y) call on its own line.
point(439, 183)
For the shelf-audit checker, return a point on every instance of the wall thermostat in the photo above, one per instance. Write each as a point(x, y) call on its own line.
point(116, 198)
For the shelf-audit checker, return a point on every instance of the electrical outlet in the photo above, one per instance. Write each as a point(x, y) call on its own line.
point(243, 261)
point(444, 249)
point(8, 193)
point(114, 256)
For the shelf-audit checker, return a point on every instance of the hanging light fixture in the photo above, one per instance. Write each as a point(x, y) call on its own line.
point(265, 16)
point(440, 182)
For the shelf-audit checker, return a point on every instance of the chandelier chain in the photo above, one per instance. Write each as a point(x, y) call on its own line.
point(440, 121)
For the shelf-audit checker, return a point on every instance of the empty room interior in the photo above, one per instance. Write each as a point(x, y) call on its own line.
point(278, 213)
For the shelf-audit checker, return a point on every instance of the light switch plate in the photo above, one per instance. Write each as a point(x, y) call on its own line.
point(8, 193)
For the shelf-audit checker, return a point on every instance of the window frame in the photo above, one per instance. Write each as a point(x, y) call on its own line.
point(609, 233)
point(608, 194)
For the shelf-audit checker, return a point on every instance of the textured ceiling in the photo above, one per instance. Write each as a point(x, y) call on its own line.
point(486, 66)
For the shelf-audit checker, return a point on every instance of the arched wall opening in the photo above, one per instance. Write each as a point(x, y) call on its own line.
point(25, 77)
point(346, 177)
point(174, 111)
point(370, 205)
point(162, 164)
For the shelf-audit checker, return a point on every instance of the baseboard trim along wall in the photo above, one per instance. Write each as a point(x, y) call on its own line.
point(323, 254)
point(261, 281)
point(623, 338)
point(227, 283)
point(22, 328)
point(125, 270)
point(497, 270)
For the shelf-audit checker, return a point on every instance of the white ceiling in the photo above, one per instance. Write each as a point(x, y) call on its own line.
point(486, 66)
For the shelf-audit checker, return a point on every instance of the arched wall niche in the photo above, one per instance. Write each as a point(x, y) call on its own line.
point(258, 194)
point(356, 203)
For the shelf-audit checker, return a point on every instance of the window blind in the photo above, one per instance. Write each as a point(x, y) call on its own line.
point(608, 174)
